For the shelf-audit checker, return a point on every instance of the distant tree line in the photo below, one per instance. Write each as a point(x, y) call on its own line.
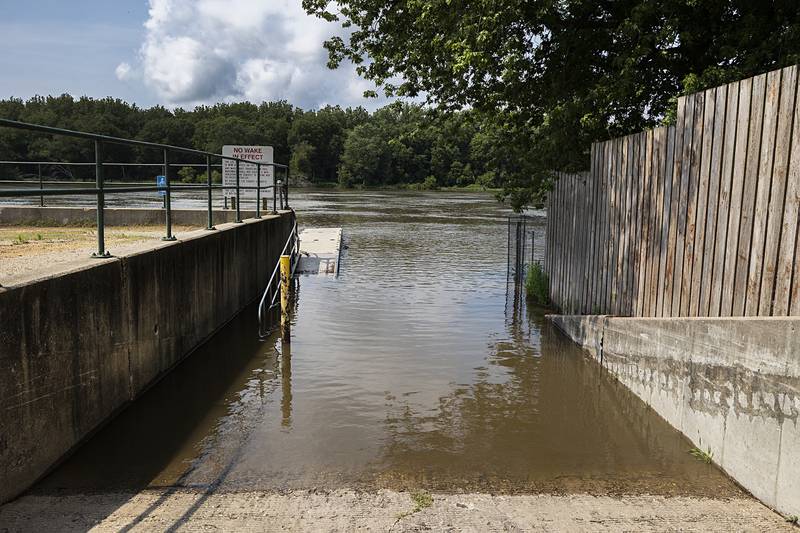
point(398, 145)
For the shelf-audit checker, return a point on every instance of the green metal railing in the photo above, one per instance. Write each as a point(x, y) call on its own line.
point(280, 189)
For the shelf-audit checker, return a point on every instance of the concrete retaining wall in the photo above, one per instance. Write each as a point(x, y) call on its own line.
point(76, 347)
point(114, 216)
point(731, 385)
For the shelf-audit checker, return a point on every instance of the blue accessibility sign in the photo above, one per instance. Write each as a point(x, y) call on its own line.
point(161, 182)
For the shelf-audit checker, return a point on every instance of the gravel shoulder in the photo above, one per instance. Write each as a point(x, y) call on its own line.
point(349, 510)
point(31, 252)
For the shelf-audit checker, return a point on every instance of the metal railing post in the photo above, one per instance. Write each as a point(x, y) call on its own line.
point(286, 189)
point(101, 224)
point(258, 190)
point(238, 195)
point(274, 194)
point(210, 224)
point(168, 199)
point(41, 185)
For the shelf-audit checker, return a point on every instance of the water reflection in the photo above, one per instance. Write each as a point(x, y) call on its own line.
point(537, 416)
point(286, 384)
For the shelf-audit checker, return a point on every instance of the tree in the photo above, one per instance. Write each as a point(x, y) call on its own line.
point(168, 130)
point(213, 133)
point(188, 174)
point(398, 145)
point(364, 159)
point(324, 130)
point(559, 74)
point(302, 159)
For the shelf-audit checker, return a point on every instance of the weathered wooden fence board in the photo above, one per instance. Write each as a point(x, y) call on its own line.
point(729, 279)
point(709, 226)
point(696, 219)
point(777, 197)
point(671, 210)
point(643, 232)
point(664, 202)
point(679, 283)
point(787, 293)
point(763, 185)
point(724, 210)
point(693, 194)
point(749, 194)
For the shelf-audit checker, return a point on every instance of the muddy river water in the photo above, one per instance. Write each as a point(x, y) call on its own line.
point(415, 367)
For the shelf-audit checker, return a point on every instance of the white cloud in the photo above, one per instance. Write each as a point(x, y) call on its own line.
point(202, 51)
point(123, 71)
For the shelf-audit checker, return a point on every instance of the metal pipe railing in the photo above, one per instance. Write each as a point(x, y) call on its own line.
point(292, 246)
point(100, 190)
point(105, 164)
point(119, 140)
point(69, 191)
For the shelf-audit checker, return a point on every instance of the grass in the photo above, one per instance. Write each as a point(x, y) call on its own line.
point(473, 187)
point(537, 285)
point(793, 519)
point(421, 499)
point(705, 456)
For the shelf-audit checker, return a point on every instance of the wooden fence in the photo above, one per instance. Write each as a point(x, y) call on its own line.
point(695, 219)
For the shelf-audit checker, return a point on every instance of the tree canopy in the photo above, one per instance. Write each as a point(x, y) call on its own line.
point(401, 144)
point(559, 74)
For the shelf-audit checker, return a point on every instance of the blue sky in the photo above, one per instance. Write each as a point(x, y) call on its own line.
point(172, 52)
point(54, 47)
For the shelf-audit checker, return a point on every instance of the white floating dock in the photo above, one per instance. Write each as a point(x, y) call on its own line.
point(319, 251)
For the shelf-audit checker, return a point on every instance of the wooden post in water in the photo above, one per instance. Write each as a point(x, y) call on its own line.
point(286, 279)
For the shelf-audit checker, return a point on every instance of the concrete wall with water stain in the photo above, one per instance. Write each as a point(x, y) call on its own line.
point(731, 385)
point(76, 347)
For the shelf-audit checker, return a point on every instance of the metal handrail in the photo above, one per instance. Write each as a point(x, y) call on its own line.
point(8, 193)
point(100, 190)
point(109, 164)
point(273, 285)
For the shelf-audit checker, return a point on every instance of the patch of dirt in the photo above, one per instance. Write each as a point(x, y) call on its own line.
point(26, 251)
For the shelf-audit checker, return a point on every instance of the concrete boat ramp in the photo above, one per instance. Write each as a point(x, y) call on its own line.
point(319, 251)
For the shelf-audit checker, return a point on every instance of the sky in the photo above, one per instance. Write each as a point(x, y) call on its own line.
point(177, 53)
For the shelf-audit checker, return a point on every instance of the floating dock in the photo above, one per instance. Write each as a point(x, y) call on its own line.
point(319, 251)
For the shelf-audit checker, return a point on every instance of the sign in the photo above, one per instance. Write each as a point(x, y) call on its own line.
point(161, 181)
point(247, 171)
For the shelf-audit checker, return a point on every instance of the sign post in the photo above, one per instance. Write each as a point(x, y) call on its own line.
point(248, 175)
point(161, 183)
